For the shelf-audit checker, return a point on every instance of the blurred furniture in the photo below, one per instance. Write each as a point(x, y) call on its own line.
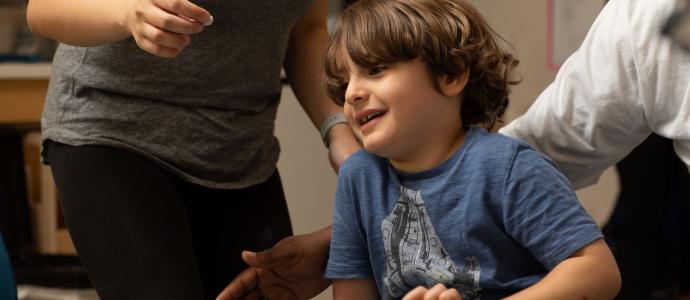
point(22, 92)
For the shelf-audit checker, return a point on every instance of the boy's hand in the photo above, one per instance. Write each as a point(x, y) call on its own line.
point(438, 292)
point(292, 269)
point(164, 27)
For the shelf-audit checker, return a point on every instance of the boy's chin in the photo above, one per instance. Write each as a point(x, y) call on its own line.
point(374, 147)
point(369, 146)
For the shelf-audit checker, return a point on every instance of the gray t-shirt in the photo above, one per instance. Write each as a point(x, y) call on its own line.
point(207, 115)
point(490, 221)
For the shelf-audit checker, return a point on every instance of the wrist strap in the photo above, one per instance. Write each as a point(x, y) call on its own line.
point(328, 123)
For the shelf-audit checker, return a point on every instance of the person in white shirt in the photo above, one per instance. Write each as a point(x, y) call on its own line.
point(626, 81)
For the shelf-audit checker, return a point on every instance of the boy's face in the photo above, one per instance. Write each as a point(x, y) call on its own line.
point(397, 112)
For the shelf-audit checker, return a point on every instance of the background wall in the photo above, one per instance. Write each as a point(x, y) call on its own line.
point(309, 180)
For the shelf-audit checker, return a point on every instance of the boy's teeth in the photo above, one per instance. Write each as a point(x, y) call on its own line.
point(368, 117)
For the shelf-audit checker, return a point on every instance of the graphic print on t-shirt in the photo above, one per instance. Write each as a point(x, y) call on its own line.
point(415, 255)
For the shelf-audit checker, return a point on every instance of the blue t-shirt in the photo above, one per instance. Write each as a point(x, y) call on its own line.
point(490, 221)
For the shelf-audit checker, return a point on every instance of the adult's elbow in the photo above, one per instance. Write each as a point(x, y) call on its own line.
point(33, 18)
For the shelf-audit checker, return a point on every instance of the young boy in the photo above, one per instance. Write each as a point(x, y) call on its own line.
point(434, 198)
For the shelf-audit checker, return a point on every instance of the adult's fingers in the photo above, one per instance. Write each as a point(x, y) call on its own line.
point(159, 42)
point(155, 49)
point(173, 23)
point(277, 292)
point(278, 256)
point(244, 286)
point(149, 13)
point(164, 38)
point(187, 9)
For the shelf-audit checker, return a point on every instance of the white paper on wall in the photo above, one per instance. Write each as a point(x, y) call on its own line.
point(569, 21)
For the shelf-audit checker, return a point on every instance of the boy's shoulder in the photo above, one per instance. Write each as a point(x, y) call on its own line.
point(490, 150)
point(483, 141)
point(362, 161)
point(496, 148)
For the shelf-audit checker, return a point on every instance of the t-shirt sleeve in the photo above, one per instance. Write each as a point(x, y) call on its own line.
point(349, 256)
point(541, 212)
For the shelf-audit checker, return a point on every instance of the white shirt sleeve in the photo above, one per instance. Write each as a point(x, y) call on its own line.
point(625, 81)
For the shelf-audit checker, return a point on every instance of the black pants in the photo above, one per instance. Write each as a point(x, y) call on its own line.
point(143, 233)
point(648, 231)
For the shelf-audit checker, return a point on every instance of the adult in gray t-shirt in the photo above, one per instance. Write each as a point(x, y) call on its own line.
point(132, 135)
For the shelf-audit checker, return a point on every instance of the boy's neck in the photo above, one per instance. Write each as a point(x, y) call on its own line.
point(434, 152)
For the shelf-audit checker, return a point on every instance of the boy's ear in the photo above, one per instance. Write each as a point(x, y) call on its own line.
point(453, 85)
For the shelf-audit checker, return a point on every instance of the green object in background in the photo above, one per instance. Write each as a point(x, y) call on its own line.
point(8, 289)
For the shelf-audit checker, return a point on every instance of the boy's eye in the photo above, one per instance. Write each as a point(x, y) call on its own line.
point(376, 70)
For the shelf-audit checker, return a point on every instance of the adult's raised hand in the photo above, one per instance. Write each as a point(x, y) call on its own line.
point(164, 27)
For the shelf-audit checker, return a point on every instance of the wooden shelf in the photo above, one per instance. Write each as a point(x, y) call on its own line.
point(23, 71)
point(22, 100)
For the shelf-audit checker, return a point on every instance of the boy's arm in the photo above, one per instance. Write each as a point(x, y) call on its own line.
point(589, 273)
point(361, 289)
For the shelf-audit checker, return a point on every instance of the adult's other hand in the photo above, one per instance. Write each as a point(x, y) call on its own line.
point(292, 269)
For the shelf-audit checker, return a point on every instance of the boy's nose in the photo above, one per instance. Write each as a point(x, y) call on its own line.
point(354, 94)
point(353, 100)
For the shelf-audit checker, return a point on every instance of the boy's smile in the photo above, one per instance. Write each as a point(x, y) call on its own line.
point(398, 114)
point(368, 118)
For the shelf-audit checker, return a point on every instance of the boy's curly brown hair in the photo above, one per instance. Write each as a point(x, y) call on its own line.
point(450, 36)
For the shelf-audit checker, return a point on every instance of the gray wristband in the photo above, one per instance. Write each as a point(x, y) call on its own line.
point(328, 123)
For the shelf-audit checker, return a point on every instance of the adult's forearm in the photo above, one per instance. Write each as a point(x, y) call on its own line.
point(307, 45)
point(79, 22)
point(303, 68)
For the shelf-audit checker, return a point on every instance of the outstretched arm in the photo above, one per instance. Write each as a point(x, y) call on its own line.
point(292, 269)
point(160, 27)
